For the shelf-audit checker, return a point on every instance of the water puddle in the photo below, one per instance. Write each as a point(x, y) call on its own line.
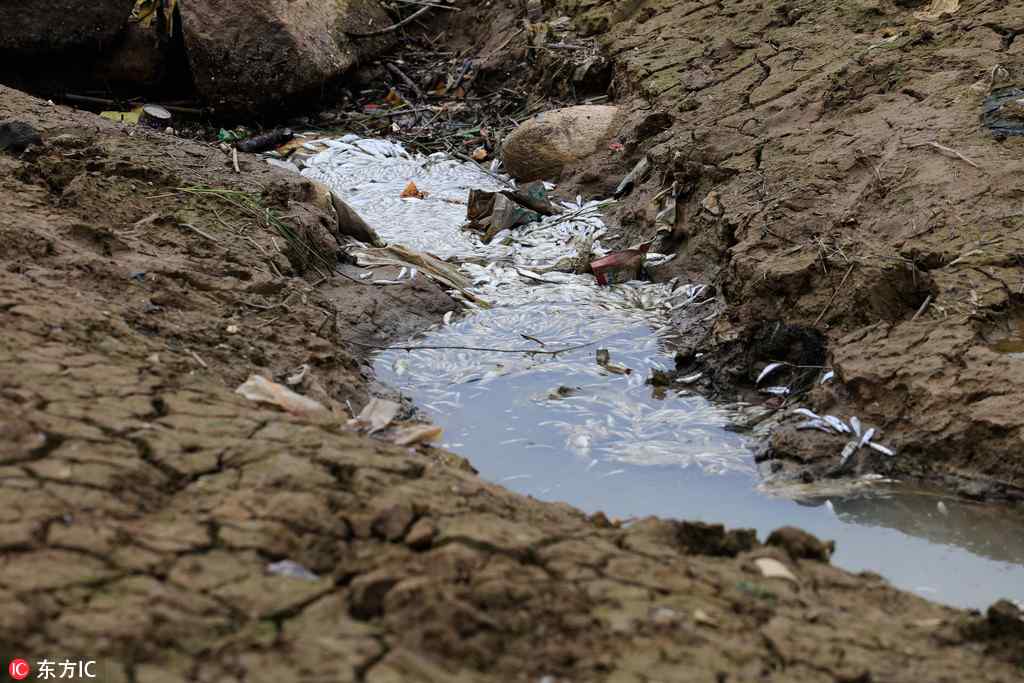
point(561, 427)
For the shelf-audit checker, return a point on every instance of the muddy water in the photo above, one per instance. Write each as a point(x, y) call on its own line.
point(563, 428)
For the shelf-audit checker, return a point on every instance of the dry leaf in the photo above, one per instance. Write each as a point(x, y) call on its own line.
point(480, 154)
point(262, 390)
point(407, 436)
point(411, 191)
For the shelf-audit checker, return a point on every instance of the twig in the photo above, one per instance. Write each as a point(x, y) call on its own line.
point(528, 352)
point(198, 359)
point(400, 75)
point(83, 99)
point(834, 294)
point(393, 27)
point(543, 205)
point(197, 231)
point(234, 159)
point(923, 308)
point(946, 150)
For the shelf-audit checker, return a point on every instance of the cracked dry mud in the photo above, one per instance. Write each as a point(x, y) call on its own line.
point(144, 500)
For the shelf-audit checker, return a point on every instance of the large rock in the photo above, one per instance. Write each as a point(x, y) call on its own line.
point(262, 52)
point(48, 27)
point(543, 146)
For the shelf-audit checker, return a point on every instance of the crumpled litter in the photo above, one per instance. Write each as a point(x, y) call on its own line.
point(262, 390)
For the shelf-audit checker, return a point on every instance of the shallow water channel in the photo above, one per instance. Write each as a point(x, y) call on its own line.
point(562, 428)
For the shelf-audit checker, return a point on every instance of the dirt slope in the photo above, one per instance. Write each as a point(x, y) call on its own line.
point(143, 501)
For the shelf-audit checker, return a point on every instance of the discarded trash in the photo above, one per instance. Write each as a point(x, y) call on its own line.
point(416, 434)
point(291, 569)
point(1003, 112)
point(377, 415)
point(771, 568)
point(266, 141)
point(492, 212)
point(635, 176)
point(155, 116)
point(431, 266)
point(129, 117)
point(413, 192)
point(146, 14)
point(604, 359)
point(620, 266)
point(668, 213)
point(260, 389)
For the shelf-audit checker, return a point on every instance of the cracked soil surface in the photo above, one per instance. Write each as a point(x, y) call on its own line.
point(144, 500)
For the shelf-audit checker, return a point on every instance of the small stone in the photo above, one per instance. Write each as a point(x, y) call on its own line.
point(421, 535)
point(712, 205)
point(392, 523)
point(702, 618)
point(232, 329)
point(17, 136)
point(801, 545)
point(664, 616)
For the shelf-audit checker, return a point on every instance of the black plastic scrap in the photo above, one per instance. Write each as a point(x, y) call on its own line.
point(266, 141)
point(1003, 112)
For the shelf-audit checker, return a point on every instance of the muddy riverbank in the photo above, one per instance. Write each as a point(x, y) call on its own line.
point(158, 522)
point(145, 502)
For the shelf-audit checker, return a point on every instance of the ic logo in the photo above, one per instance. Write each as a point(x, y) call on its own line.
point(19, 669)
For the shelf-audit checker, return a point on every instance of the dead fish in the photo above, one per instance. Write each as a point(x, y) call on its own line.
point(806, 413)
point(866, 439)
point(855, 423)
point(882, 449)
point(814, 424)
point(837, 424)
point(827, 376)
point(768, 369)
point(776, 391)
point(848, 450)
